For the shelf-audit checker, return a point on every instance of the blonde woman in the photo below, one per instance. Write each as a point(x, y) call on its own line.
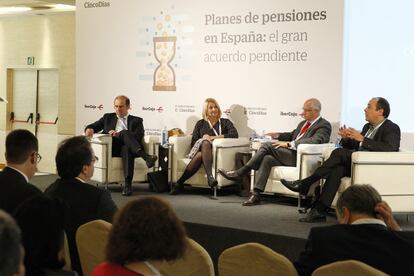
point(211, 127)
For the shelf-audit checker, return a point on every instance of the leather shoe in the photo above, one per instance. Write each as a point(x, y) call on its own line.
point(296, 186)
point(127, 191)
point(314, 216)
point(150, 161)
point(178, 188)
point(212, 182)
point(254, 199)
point(230, 175)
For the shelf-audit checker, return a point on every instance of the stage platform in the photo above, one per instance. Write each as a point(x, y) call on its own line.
point(220, 223)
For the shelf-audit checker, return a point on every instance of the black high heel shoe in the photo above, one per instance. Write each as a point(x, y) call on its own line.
point(212, 182)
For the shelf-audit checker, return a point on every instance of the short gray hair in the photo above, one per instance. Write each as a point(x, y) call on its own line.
point(10, 244)
point(316, 104)
point(359, 199)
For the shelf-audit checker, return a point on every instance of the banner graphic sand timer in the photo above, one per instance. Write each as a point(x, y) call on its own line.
point(164, 52)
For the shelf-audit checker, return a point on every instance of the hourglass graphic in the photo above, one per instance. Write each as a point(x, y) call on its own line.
point(164, 52)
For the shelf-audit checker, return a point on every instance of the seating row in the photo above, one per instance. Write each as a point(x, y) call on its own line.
point(242, 260)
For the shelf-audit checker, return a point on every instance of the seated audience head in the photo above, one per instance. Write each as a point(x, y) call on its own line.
point(75, 158)
point(211, 109)
point(311, 109)
point(11, 250)
point(121, 105)
point(22, 151)
point(377, 110)
point(42, 221)
point(356, 202)
point(146, 229)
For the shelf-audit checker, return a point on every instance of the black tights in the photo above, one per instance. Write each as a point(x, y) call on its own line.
point(205, 157)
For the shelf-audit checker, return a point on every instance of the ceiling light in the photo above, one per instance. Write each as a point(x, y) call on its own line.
point(63, 7)
point(4, 10)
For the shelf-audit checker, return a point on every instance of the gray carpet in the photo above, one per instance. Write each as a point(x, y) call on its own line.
point(277, 216)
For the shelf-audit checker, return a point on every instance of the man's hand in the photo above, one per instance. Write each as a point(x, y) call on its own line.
point(354, 134)
point(274, 135)
point(113, 133)
point(89, 132)
point(343, 132)
point(281, 144)
point(385, 213)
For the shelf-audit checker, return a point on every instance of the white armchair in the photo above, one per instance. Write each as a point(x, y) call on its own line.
point(390, 173)
point(224, 151)
point(308, 160)
point(109, 169)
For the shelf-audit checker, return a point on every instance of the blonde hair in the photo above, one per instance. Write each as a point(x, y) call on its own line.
point(205, 107)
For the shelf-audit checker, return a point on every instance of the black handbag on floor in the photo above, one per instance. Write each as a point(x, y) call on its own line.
point(158, 181)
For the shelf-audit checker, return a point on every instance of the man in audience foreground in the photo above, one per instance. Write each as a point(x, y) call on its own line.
point(11, 250)
point(22, 157)
point(75, 165)
point(367, 232)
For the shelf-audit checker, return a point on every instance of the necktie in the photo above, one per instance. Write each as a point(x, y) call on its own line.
point(125, 123)
point(304, 128)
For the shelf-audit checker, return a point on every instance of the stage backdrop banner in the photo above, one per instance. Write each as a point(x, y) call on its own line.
point(259, 59)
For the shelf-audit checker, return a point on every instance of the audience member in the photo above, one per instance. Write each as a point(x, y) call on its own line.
point(11, 250)
point(127, 132)
point(22, 157)
point(145, 233)
point(75, 165)
point(362, 235)
point(313, 130)
point(379, 134)
point(42, 222)
point(211, 127)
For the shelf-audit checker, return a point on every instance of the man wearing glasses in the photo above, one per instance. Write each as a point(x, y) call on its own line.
point(75, 161)
point(312, 130)
point(22, 158)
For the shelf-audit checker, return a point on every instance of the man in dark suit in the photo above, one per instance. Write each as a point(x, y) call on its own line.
point(75, 165)
point(127, 132)
point(22, 157)
point(313, 130)
point(379, 134)
point(367, 232)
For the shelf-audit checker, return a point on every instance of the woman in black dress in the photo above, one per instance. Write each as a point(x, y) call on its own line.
point(211, 127)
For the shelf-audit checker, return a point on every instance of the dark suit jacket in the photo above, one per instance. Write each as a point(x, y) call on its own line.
point(108, 122)
point(317, 133)
point(85, 203)
point(387, 138)
point(202, 127)
point(373, 244)
point(14, 189)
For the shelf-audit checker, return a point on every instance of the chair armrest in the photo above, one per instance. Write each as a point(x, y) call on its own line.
point(182, 146)
point(315, 148)
point(369, 157)
point(148, 141)
point(231, 142)
point(101, 139)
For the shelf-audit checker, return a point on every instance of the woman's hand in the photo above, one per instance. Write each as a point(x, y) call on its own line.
point(208, 137)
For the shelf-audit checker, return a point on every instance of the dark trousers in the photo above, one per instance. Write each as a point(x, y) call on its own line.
point(267, 157)
point(333, 169)
point(126, 146)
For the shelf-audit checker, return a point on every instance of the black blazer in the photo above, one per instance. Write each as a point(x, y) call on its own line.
point(109, 120)
point(202, 127)
point(14, 189)
point(387, 138)
point(317, 133)
point(85, 203)
point(373, 244)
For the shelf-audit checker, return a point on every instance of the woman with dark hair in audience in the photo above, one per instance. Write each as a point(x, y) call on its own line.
point(211, 127)
point(42, 223)
point(145, 233)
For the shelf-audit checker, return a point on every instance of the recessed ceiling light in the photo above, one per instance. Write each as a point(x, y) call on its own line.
point(14, 9)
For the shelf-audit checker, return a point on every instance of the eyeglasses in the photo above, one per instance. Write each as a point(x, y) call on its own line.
point(95, 159)
point(38, 157)
point(307, 110)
